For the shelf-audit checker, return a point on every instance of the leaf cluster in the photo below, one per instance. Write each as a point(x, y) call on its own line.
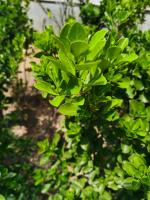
point(100, 81)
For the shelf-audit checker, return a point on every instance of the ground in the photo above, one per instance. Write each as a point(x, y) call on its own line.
point(34, 115)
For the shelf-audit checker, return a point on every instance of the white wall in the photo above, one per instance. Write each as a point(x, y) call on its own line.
point(40, 19)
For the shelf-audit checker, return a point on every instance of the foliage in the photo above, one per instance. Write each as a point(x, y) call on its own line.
point(100, 83)
point(44, 41)
point(14, 36)
point(16, 169)
point(121, 15)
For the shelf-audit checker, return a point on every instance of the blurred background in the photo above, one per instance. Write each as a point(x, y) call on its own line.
point(60, 11)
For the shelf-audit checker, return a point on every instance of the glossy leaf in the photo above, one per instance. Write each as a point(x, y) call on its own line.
point(96, 38)
point(69, 109)
point(100, 81)
point(57, 100)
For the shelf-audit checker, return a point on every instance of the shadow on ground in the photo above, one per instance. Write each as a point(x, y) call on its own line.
point(32, 116)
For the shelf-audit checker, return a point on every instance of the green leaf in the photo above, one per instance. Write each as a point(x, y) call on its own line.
point(113, 52)
point(43, 146)
point(94, 52)
point(131, 184)
point(88, 65)
point(100, 81)
point(58, 64)
point(64, 32)
point(124, 83)
point(123, 16)
point(45, 188)
point(137, 160)
point(45, 87)
point(116, 103)
point(138, 85)
point(145, 180)
point(78, 101)
point(96, 44)
point(66, 62)
point(74, 86)
point(57, 100)
point(148, 195)
point(2, 197)
point(96, 38)
point(79, 183)
point(123, 43)
point(69, 109)
point(113, 116)
point(77, 32)
point(134, 104)
point(55, 140)
point(127, 58)
point(130, 169)
point(64, 45)
point(78, 48)
point(126, 148)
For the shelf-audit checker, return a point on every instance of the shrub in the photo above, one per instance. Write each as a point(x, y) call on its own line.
point(14, 36)
point(121, 15)
point(102, 86)
point(16, 169)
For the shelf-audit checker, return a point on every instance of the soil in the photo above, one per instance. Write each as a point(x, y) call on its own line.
point(34, 117)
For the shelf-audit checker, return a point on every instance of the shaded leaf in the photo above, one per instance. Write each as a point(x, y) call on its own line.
point(78, 48)
point(77, 32)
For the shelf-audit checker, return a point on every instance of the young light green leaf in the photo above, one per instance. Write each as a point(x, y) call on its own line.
point(57, 100)
point(78, 48)
point(77, 100)
point(96, 50)
point(77, 32)
point(130, 169)
point(127, 58)
point(123, 43)
point(2, 197)
point(116, 103)
point(69, 109)
point(97, 37)
point(45, 87)
point(125, 83)
point(66, 62)
point(137, 160)
point(64, 32)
